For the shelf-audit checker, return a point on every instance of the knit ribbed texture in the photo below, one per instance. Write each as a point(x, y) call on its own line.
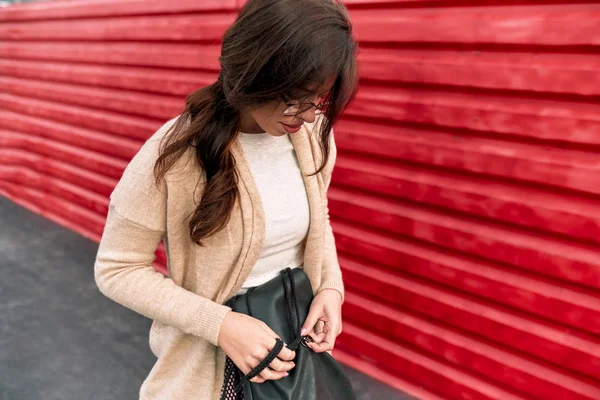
point(187, 305)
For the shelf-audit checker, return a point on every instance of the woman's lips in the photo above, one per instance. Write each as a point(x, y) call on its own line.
point(291, 128)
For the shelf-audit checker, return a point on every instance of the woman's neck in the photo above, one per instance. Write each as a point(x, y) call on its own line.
point(248, 124)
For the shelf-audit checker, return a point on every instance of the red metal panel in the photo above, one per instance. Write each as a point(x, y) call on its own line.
point(465, 199)
point(519, 118)
point(85, 83)
point(123, 78)
point(484, 68)
point(530, 252)
point(483, 278)
point(466, 196)
point(110, 8)
point(439, 341)
point(160, 27)
point(556, 24)
point(97, 98)
point(138, 54)
point(512, 202)
point(534, 338)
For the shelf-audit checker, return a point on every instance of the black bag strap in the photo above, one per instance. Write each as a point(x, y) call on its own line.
point(292, 308)
point(261, 365)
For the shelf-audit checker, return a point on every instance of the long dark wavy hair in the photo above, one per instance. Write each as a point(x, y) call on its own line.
point(274, 49)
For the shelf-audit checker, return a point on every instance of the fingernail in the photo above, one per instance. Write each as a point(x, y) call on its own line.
point(303, 332)
point(286, 374)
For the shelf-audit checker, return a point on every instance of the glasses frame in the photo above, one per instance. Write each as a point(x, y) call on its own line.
point(303, 107)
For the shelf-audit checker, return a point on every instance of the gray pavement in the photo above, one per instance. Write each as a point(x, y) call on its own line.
point(60, 338)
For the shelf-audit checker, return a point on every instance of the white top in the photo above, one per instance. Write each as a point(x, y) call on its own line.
point(275, 169)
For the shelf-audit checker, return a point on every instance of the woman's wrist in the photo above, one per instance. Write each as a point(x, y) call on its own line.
point(340, 293)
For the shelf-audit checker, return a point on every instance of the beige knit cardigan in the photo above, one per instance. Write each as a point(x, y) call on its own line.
point(187, 305)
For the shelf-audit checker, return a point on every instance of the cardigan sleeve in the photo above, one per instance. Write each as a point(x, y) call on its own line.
point(123, 271)
point(331, 275)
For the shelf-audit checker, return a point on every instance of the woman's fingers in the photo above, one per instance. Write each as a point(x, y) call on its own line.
point(281, 366)
point(324, 341)
point(318, 338)
point(278, 368)
point(269, 374)
point(238, 331)
point(286, 354)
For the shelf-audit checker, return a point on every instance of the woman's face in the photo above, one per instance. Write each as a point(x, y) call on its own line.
point(271, 119)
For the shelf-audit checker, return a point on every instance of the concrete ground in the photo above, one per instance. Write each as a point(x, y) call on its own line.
point(60, 338)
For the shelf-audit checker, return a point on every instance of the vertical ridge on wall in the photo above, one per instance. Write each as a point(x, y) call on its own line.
point(465, 199)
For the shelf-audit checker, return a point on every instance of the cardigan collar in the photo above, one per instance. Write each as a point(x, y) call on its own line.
point(254, 218)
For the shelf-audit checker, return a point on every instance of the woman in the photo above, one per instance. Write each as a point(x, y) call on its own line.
point(236, 186)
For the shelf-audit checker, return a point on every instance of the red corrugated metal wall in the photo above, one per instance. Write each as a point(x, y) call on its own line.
point(466, 196)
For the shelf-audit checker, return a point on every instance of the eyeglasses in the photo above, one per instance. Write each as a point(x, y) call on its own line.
point(295, 108)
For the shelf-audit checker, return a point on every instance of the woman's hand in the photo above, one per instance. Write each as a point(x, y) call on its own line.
point(325, 307)
point(247, 341)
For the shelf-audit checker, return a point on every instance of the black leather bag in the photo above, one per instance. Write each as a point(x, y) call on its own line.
point(283, 304)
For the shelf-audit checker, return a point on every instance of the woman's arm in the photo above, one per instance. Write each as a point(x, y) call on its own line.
point(123, 271)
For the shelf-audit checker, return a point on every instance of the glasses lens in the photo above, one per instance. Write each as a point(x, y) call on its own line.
point(321, 108)
point(291, 110)
point(303, 107)
point(299, 108)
